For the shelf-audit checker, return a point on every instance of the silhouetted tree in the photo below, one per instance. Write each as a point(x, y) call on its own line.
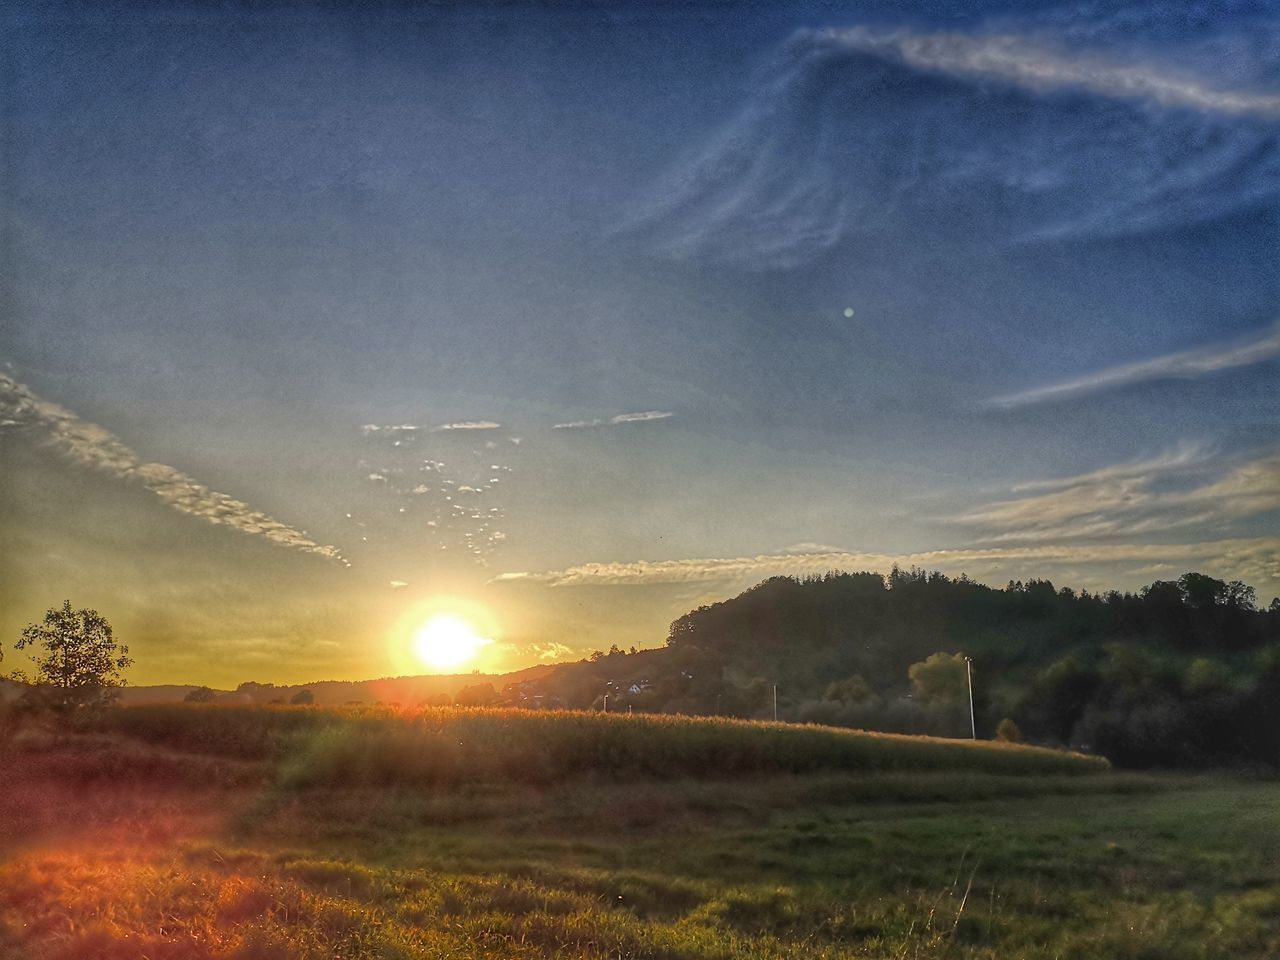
point(78, 662)
point(303, 698)
point(200, 695)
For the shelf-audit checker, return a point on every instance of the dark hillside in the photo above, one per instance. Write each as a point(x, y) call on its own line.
point(1183, 672)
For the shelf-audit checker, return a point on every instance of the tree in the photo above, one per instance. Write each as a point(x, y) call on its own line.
point(1202, 592)
point(478, 695)
point(942, 678)
point(303, 698)
point(200, 695)
point(78, 662)
point(1204, 677)
point(1008, 732)
point(853, 690)
point(1241, 596)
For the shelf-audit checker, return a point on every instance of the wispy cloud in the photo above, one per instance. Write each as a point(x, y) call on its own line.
point(1253, 559)
point(407, 429)
point(1182, 456)
point(641, 417)
point(1187, 364)
point(809, 547)
point(846, 133)
point(468, 425)
point(1024, 62)
point(1180, 489)
point(392, 428)
point(90, 445)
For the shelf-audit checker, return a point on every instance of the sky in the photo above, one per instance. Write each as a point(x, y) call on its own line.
point(320, 319)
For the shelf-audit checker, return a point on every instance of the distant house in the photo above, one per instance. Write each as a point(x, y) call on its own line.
point(531, 694)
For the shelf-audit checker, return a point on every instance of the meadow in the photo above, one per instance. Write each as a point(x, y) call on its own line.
point(183, 832)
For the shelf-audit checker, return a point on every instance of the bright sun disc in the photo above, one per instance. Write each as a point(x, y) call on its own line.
point(447, 641)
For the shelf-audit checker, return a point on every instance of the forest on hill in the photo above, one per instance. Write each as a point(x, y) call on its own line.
point(1180, 673)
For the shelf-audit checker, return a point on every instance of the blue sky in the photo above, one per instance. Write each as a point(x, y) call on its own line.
point(583, 315)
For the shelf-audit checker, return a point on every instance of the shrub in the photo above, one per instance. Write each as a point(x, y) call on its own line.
point(1007, 732)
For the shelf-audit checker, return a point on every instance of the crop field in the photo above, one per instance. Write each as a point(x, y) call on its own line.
point(449, 745)
point(207, 832)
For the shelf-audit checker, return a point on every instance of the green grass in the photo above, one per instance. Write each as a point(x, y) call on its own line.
point(118, 847)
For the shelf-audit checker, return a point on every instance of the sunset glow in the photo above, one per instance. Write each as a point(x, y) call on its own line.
point(447, 642)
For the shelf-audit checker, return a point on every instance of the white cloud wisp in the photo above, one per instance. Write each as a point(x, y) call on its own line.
point(1255, 559)
point(1181, 489)
point(1186, 364)
point(89, 445)
point(1022, 62)
point(643, 416)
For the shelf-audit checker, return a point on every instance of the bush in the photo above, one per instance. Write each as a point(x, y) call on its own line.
point(1007, 732)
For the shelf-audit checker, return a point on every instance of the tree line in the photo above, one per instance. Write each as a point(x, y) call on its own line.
point(1183, 672)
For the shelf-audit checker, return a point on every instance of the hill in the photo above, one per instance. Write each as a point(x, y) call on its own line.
point(1183, 672)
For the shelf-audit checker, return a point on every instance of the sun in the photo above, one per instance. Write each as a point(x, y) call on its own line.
point(447, 641)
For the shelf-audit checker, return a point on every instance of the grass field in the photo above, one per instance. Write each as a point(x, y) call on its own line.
point(136, 841)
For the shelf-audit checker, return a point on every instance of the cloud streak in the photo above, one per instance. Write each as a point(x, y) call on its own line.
point(1180, 489)
point(1187, 364)
point(1022, 62)
point(643, 416)
point(467, 425)
point(404, 429)
point(1250, 558)
point(89, 445)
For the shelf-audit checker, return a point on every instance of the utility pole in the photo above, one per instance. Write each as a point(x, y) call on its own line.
point(606, 703)
point(968, 672)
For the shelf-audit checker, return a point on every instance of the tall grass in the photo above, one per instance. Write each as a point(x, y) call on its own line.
point(313, 747)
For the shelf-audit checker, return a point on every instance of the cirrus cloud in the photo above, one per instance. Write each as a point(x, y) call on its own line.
point(89, 445)
point(1184, 365)
point(1256, 559)
point(1025, 62)
point(1180, 489)
point(643, 416)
